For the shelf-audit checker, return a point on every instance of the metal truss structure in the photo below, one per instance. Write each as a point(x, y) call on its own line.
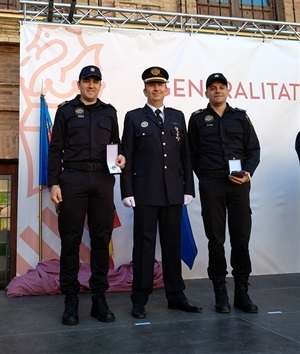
point(121, 18)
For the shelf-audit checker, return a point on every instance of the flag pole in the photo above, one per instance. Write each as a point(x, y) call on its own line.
point(40, 224)
point(45, 138)
point(40, 199)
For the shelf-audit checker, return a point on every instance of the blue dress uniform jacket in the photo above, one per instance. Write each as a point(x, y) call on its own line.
point(158, 165)
point(214, 140)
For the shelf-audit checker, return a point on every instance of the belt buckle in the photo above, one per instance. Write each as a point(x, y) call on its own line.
point(90, 167)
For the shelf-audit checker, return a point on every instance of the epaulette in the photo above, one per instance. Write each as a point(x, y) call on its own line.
point(173, 109)
point(62, 104)
point(240, 109)
point(134, 110)
point(198, 111)
point(108, 105)
point(244, 111)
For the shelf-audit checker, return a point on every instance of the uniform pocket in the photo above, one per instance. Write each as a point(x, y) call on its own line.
point(144, 139)
point(104, 127)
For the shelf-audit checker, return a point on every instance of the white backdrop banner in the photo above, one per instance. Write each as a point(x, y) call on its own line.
point(264, 79)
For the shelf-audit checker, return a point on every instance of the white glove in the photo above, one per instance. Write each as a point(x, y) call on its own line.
point(129, 202)
point(188, 199)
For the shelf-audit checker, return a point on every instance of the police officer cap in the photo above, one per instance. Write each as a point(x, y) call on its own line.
point(155, 74)
point(89, 71)
point(216, 77)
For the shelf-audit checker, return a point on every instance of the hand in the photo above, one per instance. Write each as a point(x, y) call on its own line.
point(129, 202)
point(55, 195)
point(120, 161)
point(240, 180)
point(188, 199)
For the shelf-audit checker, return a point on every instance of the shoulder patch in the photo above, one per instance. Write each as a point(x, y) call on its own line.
point(240, 109)
point(198, 111)
point(249, 120)
point(62, 104)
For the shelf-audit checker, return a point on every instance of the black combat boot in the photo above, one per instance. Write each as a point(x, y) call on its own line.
point(70, 315)
point(242, 300)
point(100, 309)
point(222, 304)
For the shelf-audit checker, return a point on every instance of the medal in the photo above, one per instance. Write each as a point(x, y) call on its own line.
point(177, 134)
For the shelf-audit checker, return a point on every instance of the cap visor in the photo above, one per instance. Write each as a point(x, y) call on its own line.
point(155, 79)
point(93, 75)
point(217, 80)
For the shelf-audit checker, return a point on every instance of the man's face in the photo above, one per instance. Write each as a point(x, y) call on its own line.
point(217, 93)
point(155, 92)
point(89, 89)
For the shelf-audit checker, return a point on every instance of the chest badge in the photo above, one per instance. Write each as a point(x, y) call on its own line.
point(80, 112)
point(209, 118)
point(144, 124)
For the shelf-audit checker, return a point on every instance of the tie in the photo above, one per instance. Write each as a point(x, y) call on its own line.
point(160, 121)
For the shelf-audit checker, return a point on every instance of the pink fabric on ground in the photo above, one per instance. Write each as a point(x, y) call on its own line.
point(44, 280)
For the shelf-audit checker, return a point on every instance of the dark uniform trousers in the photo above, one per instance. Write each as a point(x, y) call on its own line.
point(221, 198)
point(146, 220)
point(85, 194)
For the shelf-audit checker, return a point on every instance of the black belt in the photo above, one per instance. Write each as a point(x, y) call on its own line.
point(85, 166)
point(215, 174)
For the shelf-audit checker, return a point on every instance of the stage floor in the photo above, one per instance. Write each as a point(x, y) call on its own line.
point(32, 324)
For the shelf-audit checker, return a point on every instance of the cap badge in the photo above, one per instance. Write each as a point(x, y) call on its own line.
point(144, 124)
point(155, 71)
point(209, 118)
point(93, 70)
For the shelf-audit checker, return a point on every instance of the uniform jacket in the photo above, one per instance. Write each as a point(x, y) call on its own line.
point(215, 140)
point(158, 168)
point(81, 134)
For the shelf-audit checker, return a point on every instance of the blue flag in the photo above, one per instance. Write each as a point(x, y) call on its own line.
point(45, 138)
point(188, 246)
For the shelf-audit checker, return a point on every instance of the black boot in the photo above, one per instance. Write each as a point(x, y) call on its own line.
point(242, 300)
point(70, 315)
point(100, 308)
point(222, 304)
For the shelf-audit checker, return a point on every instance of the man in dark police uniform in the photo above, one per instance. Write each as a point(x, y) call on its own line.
point(81, 186)
point(156, 181)
point(220, 137)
